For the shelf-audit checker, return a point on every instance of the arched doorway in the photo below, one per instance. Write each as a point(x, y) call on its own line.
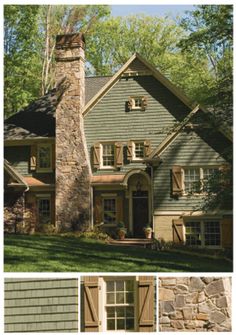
point(139, 195)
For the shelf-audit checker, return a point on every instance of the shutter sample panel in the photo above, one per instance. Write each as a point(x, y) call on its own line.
point(41, 305)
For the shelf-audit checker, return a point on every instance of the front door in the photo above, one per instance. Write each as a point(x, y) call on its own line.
point(140, 212)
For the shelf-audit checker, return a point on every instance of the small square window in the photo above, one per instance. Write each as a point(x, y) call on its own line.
point(137, 103)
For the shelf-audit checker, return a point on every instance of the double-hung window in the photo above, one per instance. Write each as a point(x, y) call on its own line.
point(108, 155)
point(120, 305)
point(109, 210)
point(44, 209)
point(138, 150)
point(205, 233)
point(44, 158)
point(196, 179)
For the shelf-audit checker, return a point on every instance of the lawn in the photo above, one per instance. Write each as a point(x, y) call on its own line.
point(40, 253)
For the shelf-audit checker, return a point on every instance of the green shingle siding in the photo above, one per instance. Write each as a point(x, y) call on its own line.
point(187, 150)
point(18, 156)
point(109, 120)
point(41, 305)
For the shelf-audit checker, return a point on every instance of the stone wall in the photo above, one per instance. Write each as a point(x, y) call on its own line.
point(13, 211)
point(194, 304)
point(72, 163)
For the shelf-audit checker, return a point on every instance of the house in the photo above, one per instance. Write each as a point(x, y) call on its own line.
point(101, 150)
point(41, 305)
point(118, 304)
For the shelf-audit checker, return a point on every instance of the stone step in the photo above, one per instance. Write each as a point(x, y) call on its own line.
point(132, 242)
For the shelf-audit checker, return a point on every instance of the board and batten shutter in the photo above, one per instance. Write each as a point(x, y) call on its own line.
point(33, 157)
point(119, 153)
point(96, 155)
point(146, 304)
point(178, 232)
point(91, 304)
point(147, 148)
point(130, 150)
point(227, 232)
point(98, 210)
point(177, 180)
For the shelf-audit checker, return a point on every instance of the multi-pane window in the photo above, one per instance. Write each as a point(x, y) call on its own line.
point(44, 157)
point(44, 210)
point(120, 305)
point(138, 150)
point(212, 233)
point(196, 179)
point(108, 155)
point(192, 180)
point(109, 211)
point(137, 102)
point(203, 233)
point(193, 233)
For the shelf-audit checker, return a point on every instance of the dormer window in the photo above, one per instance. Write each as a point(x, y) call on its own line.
point(137, 103)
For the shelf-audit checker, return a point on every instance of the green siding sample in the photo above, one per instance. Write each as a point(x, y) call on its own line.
point(41, 305)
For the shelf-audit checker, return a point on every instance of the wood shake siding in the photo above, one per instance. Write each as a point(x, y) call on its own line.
point(41, 305)
point(109, 120)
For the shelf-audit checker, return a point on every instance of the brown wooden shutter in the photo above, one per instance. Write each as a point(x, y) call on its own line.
point(98, 210)
point(130, 103)
point(91, 304)
point(119, 209)
point(177, 180)
point(144, 103)
point(96, 155)
point(146, 304)
point(33, 157)
point(227, 232)
point(119, 154)
point(129, 150)
point(147, 148)
point(178, 233)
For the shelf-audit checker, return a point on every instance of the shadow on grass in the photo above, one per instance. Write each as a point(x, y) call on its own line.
point(56, 254)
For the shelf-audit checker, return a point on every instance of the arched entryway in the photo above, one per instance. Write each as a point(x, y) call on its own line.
point(139, 196)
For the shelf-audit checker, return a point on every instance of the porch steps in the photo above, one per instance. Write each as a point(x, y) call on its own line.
point(129, 242)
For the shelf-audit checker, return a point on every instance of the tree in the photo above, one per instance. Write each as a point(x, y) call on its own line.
point(210, 32)
point(112, 41)
point(21, 56)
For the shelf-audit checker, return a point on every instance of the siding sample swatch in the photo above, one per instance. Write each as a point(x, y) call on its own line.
point(41, 305)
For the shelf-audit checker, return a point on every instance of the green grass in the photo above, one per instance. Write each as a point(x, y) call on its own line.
point(40, 253)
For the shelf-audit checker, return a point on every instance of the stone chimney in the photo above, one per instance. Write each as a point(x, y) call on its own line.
point(72, 162)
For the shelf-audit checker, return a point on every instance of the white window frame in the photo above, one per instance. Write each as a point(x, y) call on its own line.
point(202, 222)
point(44, 197)
point(111, 197)
point(103, 306)
point(134, 158)
point(201, 178)
point(138, 97)
point(41, 169)
point(108, 167)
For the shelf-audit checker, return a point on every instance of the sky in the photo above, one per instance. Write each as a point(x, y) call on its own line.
point(157, 10)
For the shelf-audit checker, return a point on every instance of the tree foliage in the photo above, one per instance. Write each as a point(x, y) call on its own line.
point(210, 32)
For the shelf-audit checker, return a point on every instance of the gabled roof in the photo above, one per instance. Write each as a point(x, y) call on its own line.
point(17, 178)
point(157, 74)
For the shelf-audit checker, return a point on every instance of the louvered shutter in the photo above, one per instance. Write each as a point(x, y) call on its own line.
point(147, 148)
point(129, 150)
point(119, 154)
point(178, 233)
point(96, 155)
point(33, 157)
point(98, 210)
point(177, 180)
point(146, 304)
point(119, 209)
point(91, 304)
point(144, 103)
